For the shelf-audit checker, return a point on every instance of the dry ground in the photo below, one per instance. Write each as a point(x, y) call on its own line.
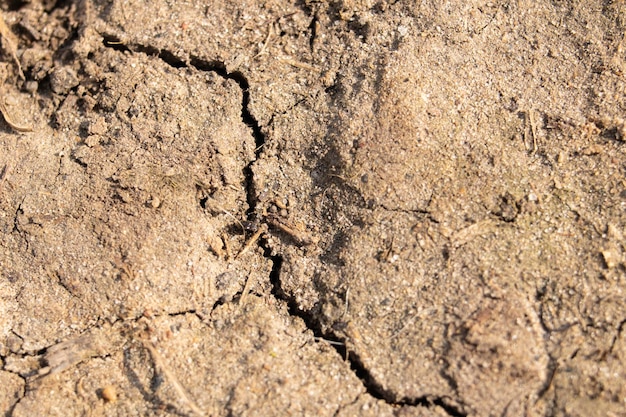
point(320, 208)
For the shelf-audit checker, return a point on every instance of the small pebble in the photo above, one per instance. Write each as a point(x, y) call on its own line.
point(31, 86)
point(63, 79)
point(109, 394)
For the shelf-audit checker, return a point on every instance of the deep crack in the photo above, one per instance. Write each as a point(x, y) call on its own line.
point(372, 387)
point(218, 68)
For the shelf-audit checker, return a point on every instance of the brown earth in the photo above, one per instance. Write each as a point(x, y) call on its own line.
point(320, 208)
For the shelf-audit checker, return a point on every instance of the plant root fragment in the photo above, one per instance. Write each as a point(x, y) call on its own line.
point(10, 122)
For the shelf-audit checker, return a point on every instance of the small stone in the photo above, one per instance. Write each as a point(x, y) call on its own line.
point(92, 140)
point(155, 202)
point(98, 127)
point(610, 259)
point(31, 86)
point(109, 394)
point(63, 79)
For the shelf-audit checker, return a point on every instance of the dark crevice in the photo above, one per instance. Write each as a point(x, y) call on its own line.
point(22, 394)
point(31, 354)
point(552, 369)
point(620, 329)
point(373, 387)
point(181, 313)
point(77, 160)
point(13, 5)
point(16, 218)
point(218, 68)
point(16, 224)
point(416, 211)
point(313, 29)
point(65, 285)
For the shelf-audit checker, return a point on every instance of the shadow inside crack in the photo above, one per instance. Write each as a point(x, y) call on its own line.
point(310, 318)
point(338, 343)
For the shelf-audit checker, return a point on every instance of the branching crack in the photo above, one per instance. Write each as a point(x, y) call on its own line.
point(373, 387)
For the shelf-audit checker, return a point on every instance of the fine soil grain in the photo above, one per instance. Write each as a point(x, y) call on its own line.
point(320, 208)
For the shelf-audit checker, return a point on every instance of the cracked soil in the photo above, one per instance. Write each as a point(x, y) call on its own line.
point(317, 208)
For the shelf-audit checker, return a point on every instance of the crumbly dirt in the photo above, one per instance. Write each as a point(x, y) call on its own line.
point(329, 208)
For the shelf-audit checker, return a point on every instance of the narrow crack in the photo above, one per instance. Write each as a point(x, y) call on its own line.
point(372, 387)
point(620, 329)
point(22, 394)
point(218, 68)
point(16, 218)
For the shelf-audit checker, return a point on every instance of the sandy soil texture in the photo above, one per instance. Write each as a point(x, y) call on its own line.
point(313, 208)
